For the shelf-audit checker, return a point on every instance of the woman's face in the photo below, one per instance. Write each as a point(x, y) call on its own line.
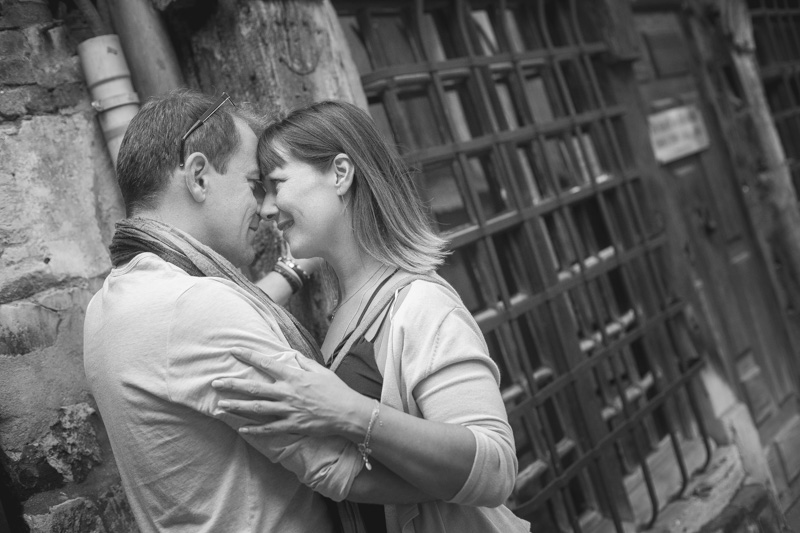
point(306, 208)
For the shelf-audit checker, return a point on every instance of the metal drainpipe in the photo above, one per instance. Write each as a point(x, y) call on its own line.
point(107, 78)
point(147, 46)
point(109, 83)
point(142, 32)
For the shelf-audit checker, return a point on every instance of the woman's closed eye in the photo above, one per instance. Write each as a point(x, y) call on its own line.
point(258, 189)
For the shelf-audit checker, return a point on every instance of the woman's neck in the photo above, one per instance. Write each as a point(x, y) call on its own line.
point(355, 272)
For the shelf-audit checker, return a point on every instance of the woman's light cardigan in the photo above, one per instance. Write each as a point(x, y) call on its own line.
point(445, 374)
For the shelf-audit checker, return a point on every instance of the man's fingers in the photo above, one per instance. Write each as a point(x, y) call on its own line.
point(280, 426)
point(252, 407)
point(256, 430)
point(267, 364)
point(249, 387)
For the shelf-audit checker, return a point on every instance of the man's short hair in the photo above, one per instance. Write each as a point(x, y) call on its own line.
point(149, 151)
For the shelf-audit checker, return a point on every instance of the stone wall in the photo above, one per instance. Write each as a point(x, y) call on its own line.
point(58, 203)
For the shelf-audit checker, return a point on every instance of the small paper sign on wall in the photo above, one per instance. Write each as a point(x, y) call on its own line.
point(677, 132)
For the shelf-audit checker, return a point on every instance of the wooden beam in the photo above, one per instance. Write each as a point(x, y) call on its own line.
point(615, 20)
point(776, 190)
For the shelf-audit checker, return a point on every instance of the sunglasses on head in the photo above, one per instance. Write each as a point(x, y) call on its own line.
point(218, 103)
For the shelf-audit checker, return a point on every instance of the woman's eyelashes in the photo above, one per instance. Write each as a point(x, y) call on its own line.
point(272, 184)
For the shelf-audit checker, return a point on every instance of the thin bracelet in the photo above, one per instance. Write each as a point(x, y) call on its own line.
point(302, 274)
point(364, 446)
point(294, 281)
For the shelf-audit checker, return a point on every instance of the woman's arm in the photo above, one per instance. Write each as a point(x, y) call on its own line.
point(440, 454)
point(278, 288)
point(433, 456)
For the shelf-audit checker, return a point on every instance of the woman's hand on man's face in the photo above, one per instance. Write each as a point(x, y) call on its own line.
point(310, 400)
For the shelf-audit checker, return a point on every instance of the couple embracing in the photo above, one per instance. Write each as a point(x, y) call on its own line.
point(222, 412)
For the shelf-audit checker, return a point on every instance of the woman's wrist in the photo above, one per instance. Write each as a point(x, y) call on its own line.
point(356, 422)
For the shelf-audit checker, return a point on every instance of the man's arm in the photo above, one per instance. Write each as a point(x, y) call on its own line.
point(209, 320)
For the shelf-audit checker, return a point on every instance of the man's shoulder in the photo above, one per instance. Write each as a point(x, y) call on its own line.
point(152, 275)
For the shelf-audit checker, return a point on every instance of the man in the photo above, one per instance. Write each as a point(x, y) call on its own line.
point(161, 329)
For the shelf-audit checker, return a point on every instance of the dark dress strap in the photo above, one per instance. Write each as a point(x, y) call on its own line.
point(372, 314)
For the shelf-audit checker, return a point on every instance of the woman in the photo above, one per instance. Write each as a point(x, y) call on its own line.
point(414, 386)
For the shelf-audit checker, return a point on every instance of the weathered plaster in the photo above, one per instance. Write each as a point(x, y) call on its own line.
point(48, 227)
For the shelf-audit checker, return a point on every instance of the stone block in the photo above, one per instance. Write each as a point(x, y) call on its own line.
point(12, 43)
point(26, 326)
point(753, 510)
point(22, 14)
point(69, 95)
point(15, 102)
point(108, 512)
point(40, 55)
point(706, 497)
point(78, 515)
point(27, 100)
point(48, 218)
point(36, 384)
point(66, 453)
point(16, 71)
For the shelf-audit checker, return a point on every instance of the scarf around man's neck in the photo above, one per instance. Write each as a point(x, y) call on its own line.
point(136, 235)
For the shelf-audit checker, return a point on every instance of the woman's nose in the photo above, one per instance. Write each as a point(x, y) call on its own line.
point(268, 210)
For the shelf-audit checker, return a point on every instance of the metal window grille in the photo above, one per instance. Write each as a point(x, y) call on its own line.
point(506, 109)
point(776, 28)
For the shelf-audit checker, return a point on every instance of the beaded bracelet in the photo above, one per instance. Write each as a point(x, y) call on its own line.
point(302, 274)
point(364, 446)
point(295, 282)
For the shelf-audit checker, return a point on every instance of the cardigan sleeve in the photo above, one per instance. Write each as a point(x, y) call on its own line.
point(459, 384)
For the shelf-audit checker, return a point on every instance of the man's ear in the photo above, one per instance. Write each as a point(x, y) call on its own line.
point(195, 175)
point(343, 170)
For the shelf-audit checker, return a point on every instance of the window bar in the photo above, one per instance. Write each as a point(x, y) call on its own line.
point(605, 480)
point(639, 381)
point(562, 207)
point(509, 360)
point(780, 48)
point(374, 48)
point(785, 30)
point(435, 88)
point(641, 457)
point(669, 422)
point(489, 285)
point(627, 186)
point(689, 390)
point(526, 362)
point(774, 48)
point(552, 450)
point(531, 426)
point(397, 118)
point(388, 95)
point(616, 519)
point(621, 392)
point(477, 91)
point(790, 30)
